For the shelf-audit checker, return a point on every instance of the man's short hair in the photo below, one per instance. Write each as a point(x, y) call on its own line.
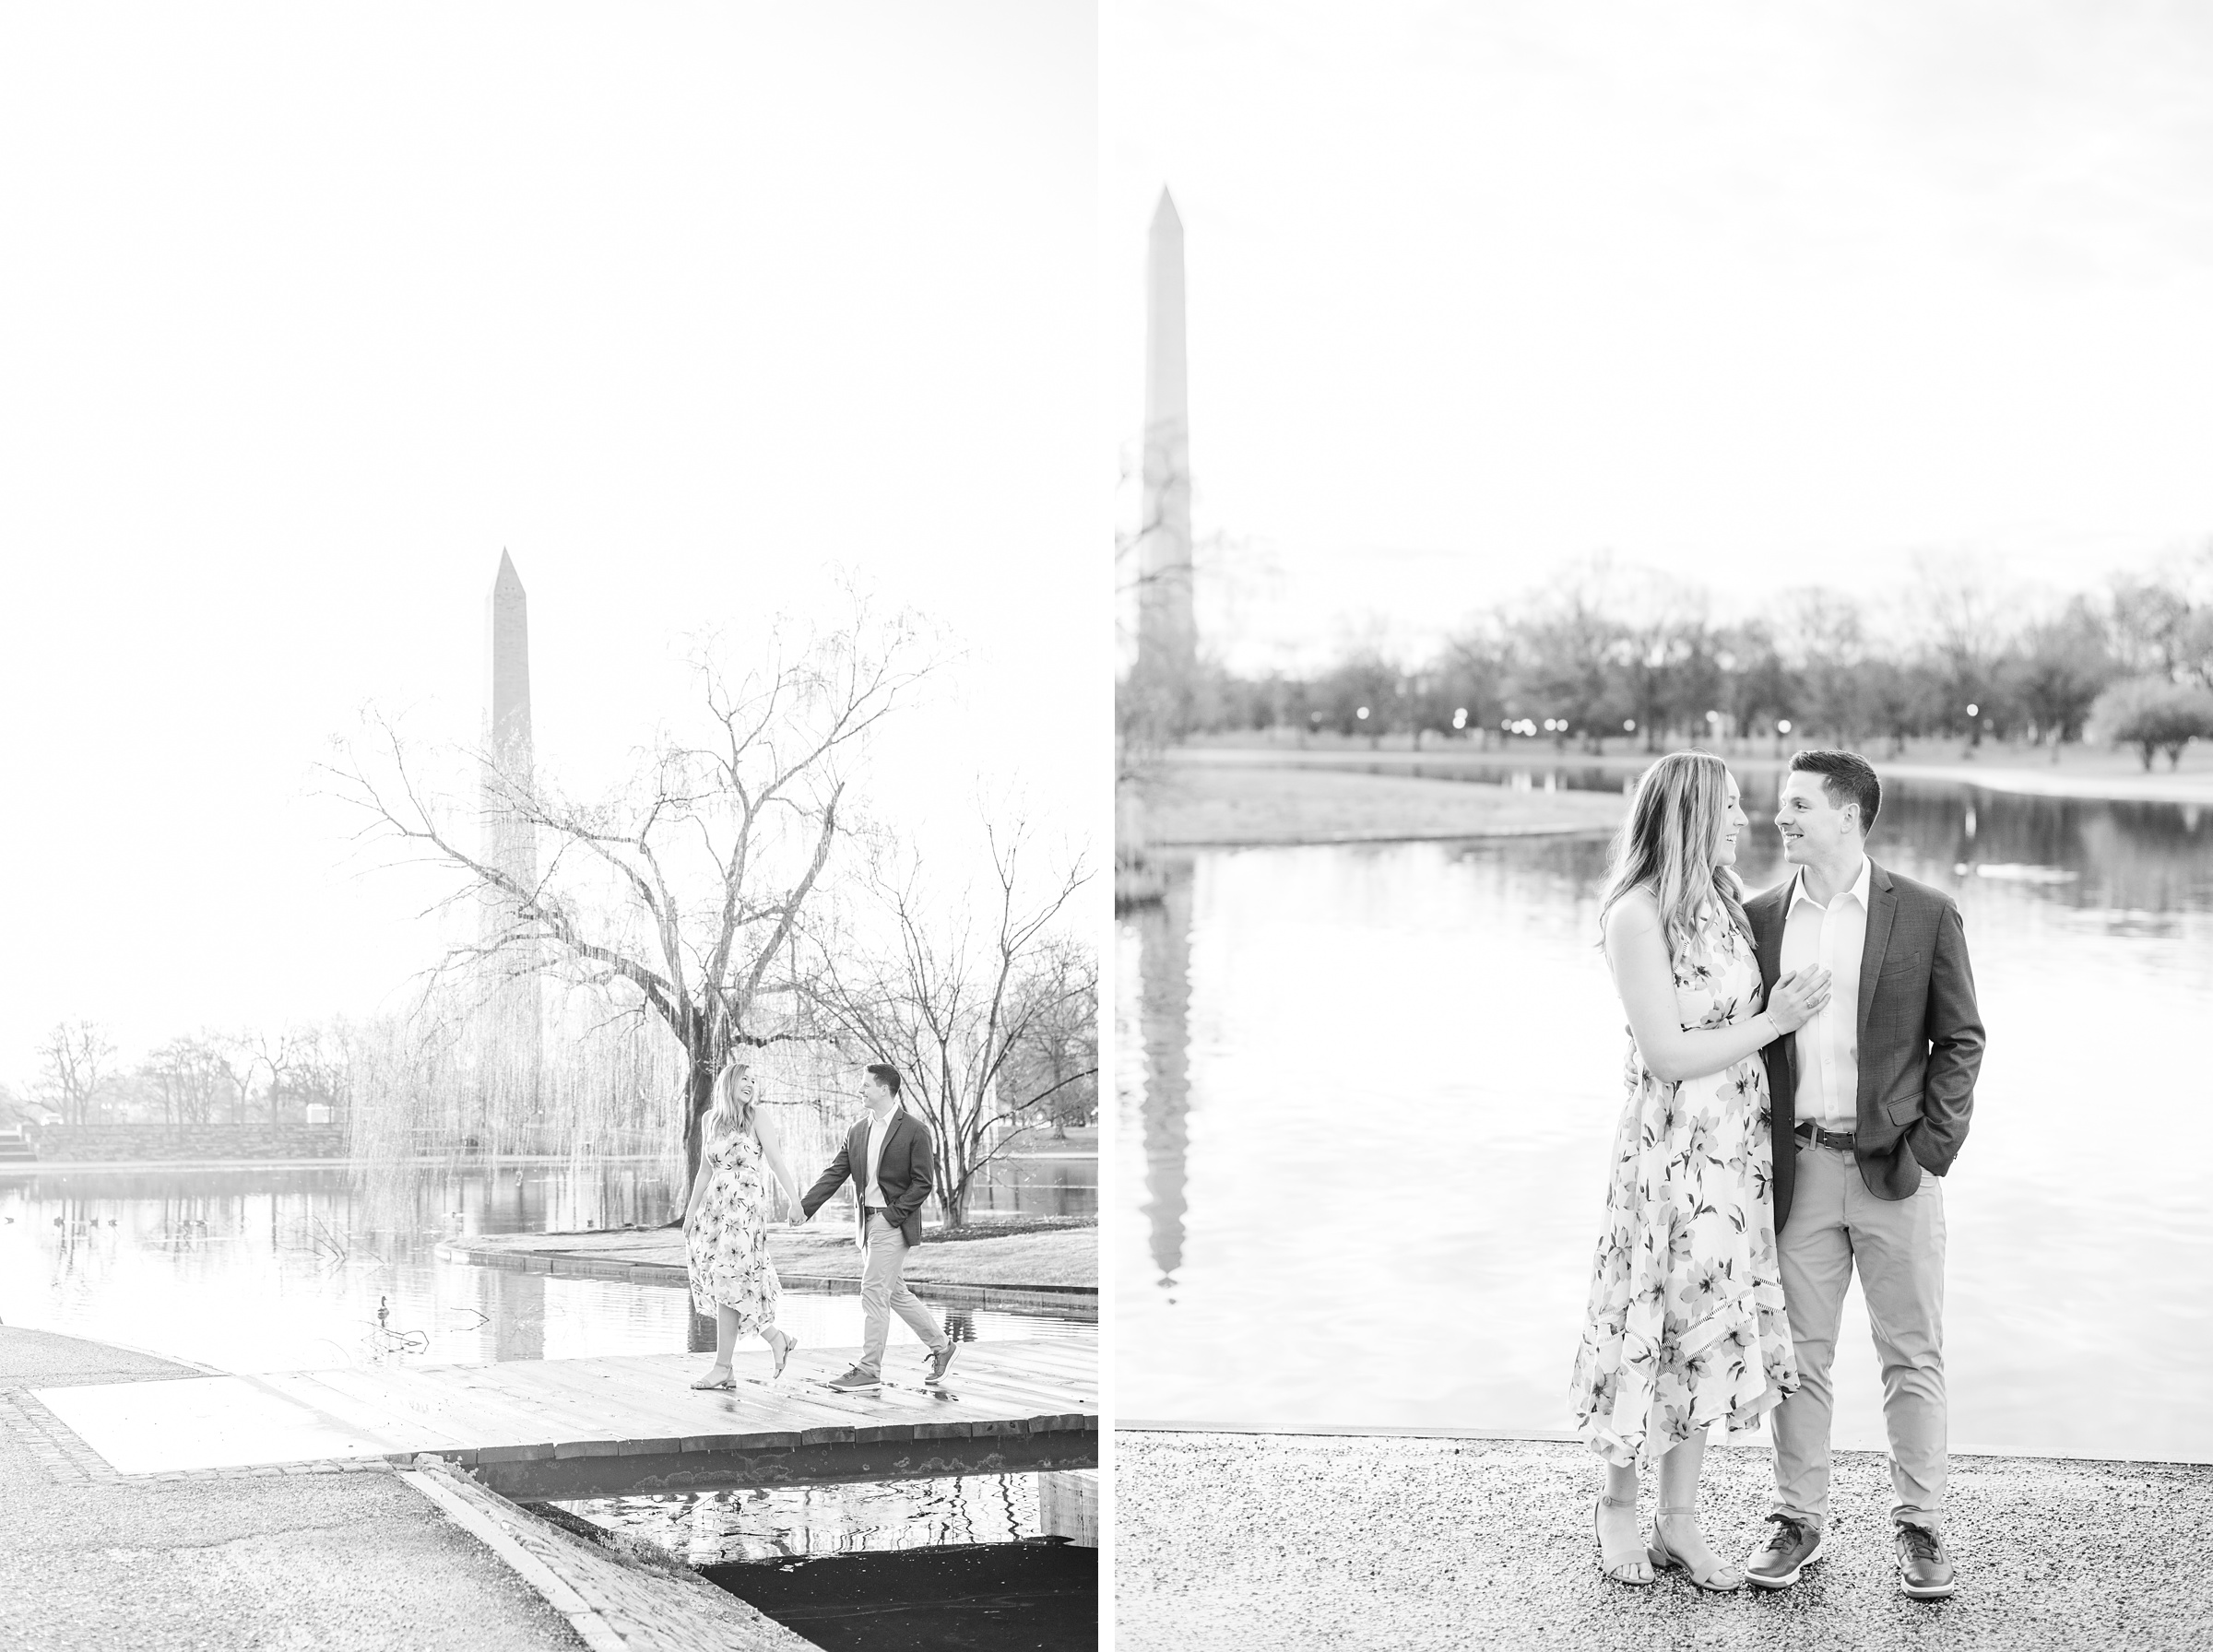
point(886, 1076)
point(1846, 776)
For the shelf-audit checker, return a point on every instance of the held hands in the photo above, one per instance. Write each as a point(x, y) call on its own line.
point(1798, 997)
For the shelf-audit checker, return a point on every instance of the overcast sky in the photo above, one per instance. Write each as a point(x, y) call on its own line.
point(1760, 296)
point(309, 313)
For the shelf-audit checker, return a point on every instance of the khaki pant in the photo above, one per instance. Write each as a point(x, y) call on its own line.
point(1899, 1247)
point(882, 1291)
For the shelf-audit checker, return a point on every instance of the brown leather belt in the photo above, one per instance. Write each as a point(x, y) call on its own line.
point(1809, 1131)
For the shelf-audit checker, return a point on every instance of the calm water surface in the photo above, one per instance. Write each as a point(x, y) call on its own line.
point(1368, 1097)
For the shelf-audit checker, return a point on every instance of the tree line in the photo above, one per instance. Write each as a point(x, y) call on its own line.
point(202, 1078)
point(1626, 655)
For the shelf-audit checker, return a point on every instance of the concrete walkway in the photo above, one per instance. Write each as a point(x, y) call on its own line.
point(319, 1557)
point(1253, 1541)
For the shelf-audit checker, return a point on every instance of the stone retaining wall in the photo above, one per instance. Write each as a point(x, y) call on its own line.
point(112, 1143)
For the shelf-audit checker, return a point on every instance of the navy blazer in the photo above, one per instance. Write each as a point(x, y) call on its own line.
point(902, 1171)
point(1919, 1036)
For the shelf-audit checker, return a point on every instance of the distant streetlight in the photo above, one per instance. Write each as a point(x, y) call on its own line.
point(1782, 726)
point(1974, 711)
point(1362, 713)
point(1628, 726)
point(1459, 717)
point(1714, 718)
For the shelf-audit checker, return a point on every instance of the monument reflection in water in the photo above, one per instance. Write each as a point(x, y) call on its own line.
point(1368, 1096)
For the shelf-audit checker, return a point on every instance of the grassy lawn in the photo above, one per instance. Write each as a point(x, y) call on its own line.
point(1203, 802)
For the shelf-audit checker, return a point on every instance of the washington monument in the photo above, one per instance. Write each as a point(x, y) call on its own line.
point(1167, 634)
point(509, 1060)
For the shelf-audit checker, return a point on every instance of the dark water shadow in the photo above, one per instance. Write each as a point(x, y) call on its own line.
point(990, 1598)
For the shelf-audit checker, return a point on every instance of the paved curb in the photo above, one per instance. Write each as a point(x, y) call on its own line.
point(1080, 1300)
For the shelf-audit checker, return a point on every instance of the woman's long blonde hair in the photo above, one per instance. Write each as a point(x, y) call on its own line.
point(1669, 842)
point(732, 1115)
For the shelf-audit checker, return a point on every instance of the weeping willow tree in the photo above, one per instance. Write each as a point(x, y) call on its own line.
point(676, 900)
point(604, 1094)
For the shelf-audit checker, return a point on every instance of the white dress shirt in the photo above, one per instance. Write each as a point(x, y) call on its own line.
point(872, 1194)
point(1827, 1047)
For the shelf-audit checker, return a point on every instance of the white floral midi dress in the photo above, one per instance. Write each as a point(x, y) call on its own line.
point(729, 1247)
point(1686, 1325)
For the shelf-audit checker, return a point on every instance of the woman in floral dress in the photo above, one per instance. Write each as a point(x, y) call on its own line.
point(726, 1224)
point(1686, 1326)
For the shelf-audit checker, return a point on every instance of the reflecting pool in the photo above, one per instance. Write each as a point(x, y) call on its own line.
point(1367, 1096)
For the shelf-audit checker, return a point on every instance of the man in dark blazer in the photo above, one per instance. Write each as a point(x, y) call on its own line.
point(1871, 1100)
point(887, 1158)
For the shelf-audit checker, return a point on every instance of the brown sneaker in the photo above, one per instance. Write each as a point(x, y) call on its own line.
point(1789, 1548)
point(1922, 1570)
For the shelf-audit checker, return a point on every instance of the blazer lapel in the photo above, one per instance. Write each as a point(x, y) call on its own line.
point(1882, 906)
point(1767, 937)
point(1774, 917)
point(857, 1155)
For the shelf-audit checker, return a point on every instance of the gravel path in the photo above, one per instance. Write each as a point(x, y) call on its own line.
point(1250, 1541)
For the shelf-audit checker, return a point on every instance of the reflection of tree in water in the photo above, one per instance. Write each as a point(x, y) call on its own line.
point(1165, 1026)
point(2137, 857)
point(1555, 870)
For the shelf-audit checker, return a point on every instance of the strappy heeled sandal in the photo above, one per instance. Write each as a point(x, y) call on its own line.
point(786, 1342)
point(1619, 1571)
point(1720, 1580)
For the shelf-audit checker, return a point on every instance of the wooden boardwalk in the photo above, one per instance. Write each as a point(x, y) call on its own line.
point(613, 1426)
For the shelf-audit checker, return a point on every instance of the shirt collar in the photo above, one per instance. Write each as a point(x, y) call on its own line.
point(1858, 890)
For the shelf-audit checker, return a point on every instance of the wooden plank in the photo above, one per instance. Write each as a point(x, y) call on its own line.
point(793, 1398)
point(758, 1396)
point(1080, 1364)
point(976, 1358)
point(743, 1416)
point(657, 1415)
point(1018, 1390)
point(785, 1407)
point(926, 1414)
point(1022, 1407)
point(1058, 1379)
point(594, 1425)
